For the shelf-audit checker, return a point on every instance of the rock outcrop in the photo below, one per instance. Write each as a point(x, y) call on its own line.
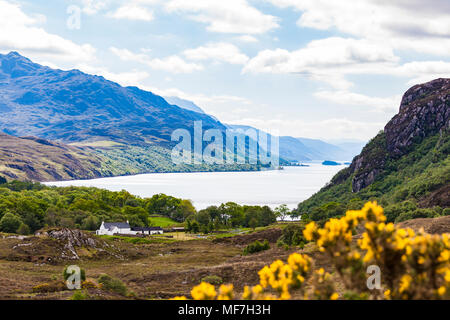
point(72, 239)
point(424, 111)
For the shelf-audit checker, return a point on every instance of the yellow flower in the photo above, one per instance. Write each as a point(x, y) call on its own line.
point(226, 292)
point(179, 298)
point(309, 231)
point(405, 282)
point(447, 276)
point(204, 291)
point(334, 296)
point(387, 294)
point(441, 291)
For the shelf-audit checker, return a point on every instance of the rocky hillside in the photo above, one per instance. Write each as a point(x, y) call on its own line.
point(31, 158)
point(406, 164)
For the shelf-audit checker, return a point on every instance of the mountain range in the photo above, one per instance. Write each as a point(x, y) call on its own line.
point(305, 149)
point(129, 127)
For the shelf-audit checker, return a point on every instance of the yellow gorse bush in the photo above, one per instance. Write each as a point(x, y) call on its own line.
point(414, 266)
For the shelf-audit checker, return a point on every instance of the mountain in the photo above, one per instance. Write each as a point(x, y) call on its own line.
point(185, 104)
point(31, 158)
point(305, 149)
point(126, 130)
point(406, 167)
point(71, 106)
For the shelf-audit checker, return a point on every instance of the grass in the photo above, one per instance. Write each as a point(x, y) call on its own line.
point(137, 240)
point(164, 222)
point(161, 268)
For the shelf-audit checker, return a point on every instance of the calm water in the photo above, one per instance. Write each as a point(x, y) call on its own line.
point(289, 186)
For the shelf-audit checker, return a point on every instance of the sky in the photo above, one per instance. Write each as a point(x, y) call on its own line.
point(327, 69)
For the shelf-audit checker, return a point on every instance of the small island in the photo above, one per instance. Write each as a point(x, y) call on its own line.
point(330, 163)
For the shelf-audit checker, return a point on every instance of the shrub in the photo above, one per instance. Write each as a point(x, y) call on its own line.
point(24, 229)
point(413, 265)
point(54, 286)
point(292, 236)
point(87, 284)
point(112, 284)
point(79, 295)
point(212, 279)
point(255, 247)
point(10, 223)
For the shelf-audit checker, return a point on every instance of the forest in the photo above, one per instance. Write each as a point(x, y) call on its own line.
point(26, 207)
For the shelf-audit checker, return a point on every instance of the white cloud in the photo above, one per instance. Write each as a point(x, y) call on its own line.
point(23, 33)
point(221, 51)
point(91, 7)
point(200, 99)
point(325, 60)
point(330, 60)
point(231, 16)
point(325, 54)
point(173, 64)
point(423, 71)
point(132, 12)
point(343, 97)
point(397, 23)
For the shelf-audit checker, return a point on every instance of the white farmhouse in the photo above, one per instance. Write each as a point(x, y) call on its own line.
point(112, 228)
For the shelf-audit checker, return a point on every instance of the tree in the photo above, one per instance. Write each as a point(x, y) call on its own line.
point(23, 229)
point(134, 221)
point(282, 212)
point(91, 223)
point(10, 223)
point(253, 223)
point(2, 180)
point(267, 216)
point(137, 212)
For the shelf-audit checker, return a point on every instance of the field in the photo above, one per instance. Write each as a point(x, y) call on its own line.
point(158, 268)
point(163, 222)
point(150, 271)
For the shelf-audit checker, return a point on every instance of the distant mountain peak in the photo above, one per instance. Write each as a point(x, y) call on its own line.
point(16, 65)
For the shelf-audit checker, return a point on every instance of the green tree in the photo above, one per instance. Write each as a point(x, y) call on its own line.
point(91, 223)
point(10, 223)
point(282, 212)
point(23, 229)
point(253, 223)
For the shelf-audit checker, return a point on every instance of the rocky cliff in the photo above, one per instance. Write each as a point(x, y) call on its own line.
point(424, 111)
point(406, 167)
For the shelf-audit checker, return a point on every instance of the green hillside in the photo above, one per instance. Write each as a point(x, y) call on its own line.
point(406, 167)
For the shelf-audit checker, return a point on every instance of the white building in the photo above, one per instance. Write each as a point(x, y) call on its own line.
point(112, 228)
point(148, 230)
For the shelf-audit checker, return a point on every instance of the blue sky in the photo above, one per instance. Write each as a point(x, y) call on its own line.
point(330, 69)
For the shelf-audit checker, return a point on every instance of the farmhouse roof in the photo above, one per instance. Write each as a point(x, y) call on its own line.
point(120, 225)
